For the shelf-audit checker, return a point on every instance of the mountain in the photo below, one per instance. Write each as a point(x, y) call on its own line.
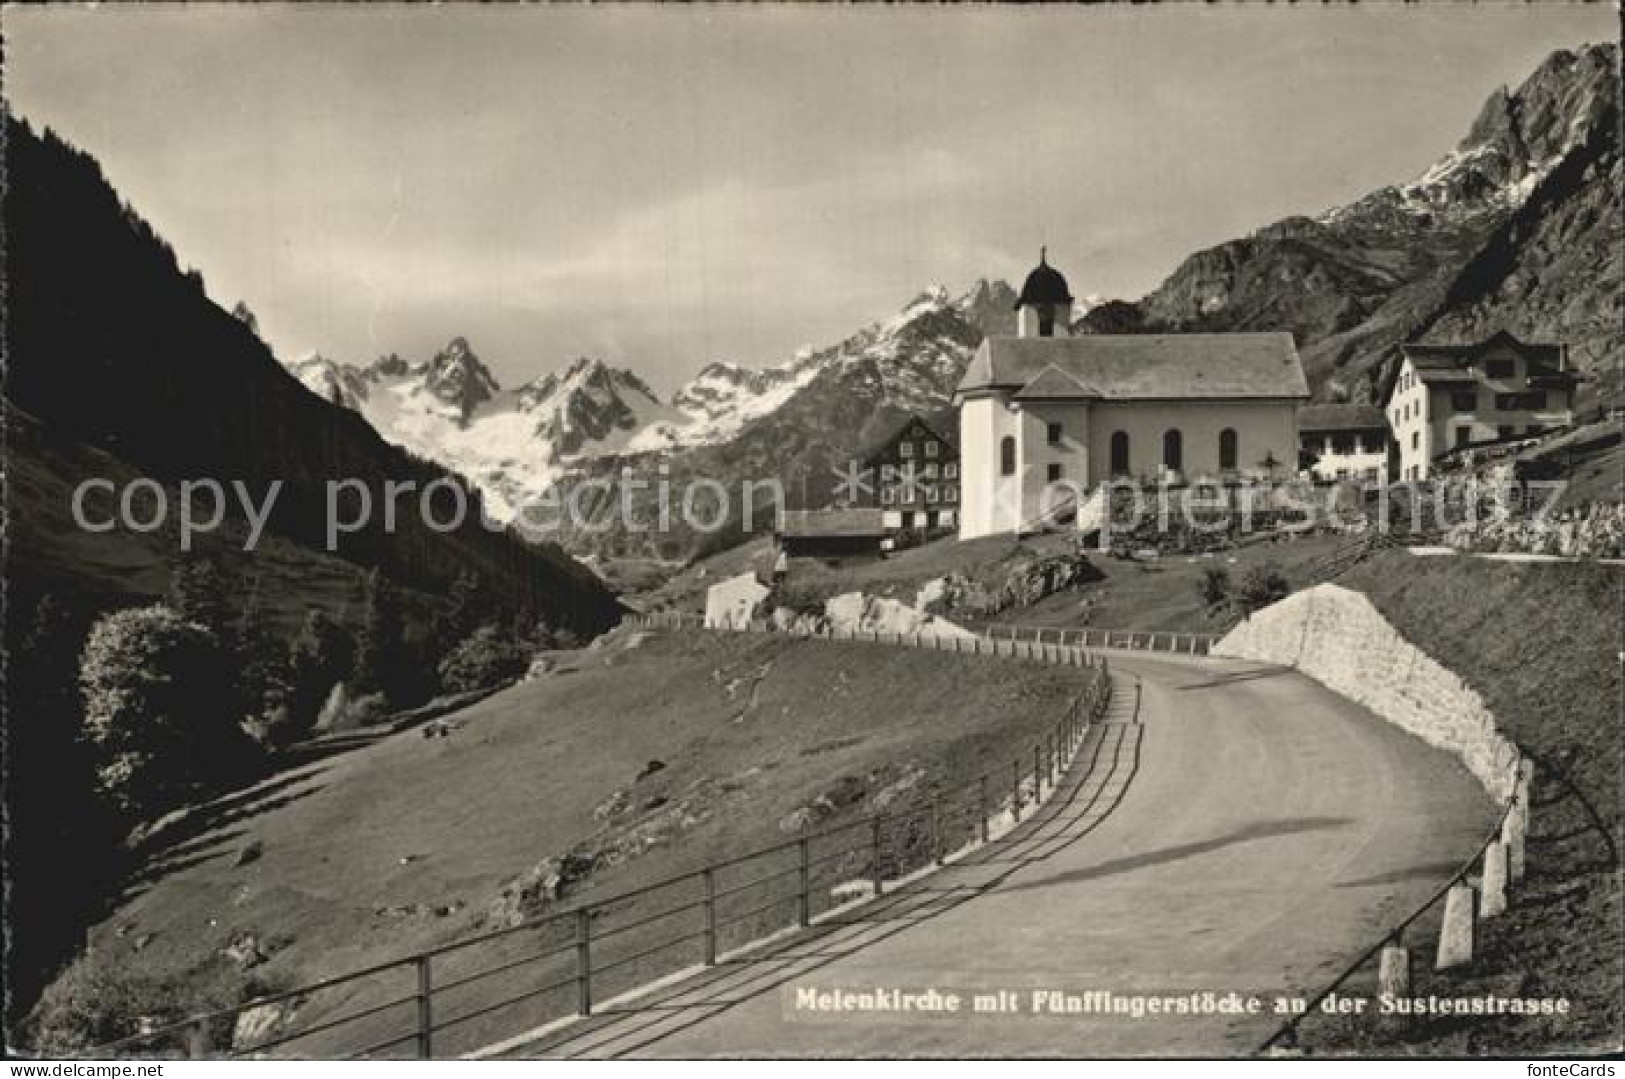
point(115, 354)
point(1518, 227)
point(589, 420)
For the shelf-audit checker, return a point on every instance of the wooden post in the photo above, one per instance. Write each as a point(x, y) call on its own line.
point(1038, 773)
point(425, 996)
point(1495, 881)
point(710, 917)
point(804, 908)
point(1514, 831)
point(981, 805)
point(583, 962)
point(197, 1040)
point(1015, 791)
point(1456, 932)
point(875, 870)
point(939, 848)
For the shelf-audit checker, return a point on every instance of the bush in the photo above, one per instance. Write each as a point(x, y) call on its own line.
point(318, 659)
point(486, 657)
point(1214, 586)
point(153, 688)
point(1262, 586)
point(102, 998)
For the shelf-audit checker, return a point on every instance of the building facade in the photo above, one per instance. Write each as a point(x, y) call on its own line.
point(1046, 417)
point(1344, 442)
point(915, 474)
point(1444, 397)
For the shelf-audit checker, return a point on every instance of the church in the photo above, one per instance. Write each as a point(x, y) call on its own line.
point(1046, 417)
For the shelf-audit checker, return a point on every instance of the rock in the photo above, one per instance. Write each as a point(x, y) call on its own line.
point(539, 667)
point(613, 806)
point(735, 601)
point(259, 1024)
point(650, 769)
point(140, 943)
point(249, 852)
point(245, 952)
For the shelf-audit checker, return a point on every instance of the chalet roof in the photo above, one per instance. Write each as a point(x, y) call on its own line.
point(1315, 418)
point(1126, 367)
point(875, 449)
point(1451, 361)
point(806, 524)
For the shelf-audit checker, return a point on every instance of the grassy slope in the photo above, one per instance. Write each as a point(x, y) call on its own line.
point(1541, 643)
point(415, 824)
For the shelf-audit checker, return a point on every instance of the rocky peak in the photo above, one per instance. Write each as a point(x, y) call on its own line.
point(456, 377)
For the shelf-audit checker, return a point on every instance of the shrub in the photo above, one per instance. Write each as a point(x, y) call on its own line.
point(153, 688)
point(1261, 586)
point(484, 658)
point(1214, 586)
point(318, 659)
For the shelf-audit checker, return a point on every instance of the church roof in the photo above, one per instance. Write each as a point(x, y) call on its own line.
point(1044, 285)
point(1313, 418)
point(1125, 367)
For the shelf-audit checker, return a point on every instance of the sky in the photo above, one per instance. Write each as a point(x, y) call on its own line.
point(664, 187)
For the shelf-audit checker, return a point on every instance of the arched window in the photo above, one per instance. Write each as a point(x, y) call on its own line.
point(1173, 450)
point(1119, 453)
point(1227, 449)
point(1007, 456)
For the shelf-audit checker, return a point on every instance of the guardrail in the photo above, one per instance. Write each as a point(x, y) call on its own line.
point(1030, 642)
point(549, 967)
point(1498, 862)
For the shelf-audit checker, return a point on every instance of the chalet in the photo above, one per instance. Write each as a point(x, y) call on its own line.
point(916, 478)
point(1344, 442)
point(1443, 397)
point(830, 533)
point(1045, 413)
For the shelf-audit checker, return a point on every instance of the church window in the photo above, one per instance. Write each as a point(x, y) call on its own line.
point(1007, 456)
point(1053, 472)
point(1120, 453)
point(1046, 321)
point(1055, 434)
point(1173, 450)
point(1227, 448)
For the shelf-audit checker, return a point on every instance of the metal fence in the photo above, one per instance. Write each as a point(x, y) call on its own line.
point(471, 993)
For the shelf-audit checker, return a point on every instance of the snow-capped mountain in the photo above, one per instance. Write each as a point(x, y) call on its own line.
point(516, 443)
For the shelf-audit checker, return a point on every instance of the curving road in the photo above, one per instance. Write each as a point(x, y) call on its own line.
point(1243, 830)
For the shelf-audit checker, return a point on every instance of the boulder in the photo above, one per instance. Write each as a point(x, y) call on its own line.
point(735, 601)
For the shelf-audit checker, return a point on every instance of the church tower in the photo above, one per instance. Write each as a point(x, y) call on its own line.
point(1045, 306)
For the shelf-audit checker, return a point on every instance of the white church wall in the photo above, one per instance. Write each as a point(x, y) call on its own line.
point(1263, 428)
point(988, 501)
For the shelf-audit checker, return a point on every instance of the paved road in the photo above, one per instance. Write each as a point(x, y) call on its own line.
point(1243, 830)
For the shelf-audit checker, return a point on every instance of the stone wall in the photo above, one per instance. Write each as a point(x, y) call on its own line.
point(1340, 639)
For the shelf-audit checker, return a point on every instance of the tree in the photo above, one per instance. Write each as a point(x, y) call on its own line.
point(1261, 586)
point(380, 655)
point(1214, 586)
point(486, 657)
point(322, 655)
point(242, 314)
point(153, 683)
point(197, 593)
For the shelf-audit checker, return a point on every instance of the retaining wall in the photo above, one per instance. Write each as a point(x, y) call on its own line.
point(1339, 638)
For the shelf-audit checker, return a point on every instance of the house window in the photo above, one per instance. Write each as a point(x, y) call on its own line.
point(1052, 472)
point(1007, 456)
point(1227, 449)
point(1173, 450)
point(930, 449)
point(1416, 440)
point(1505, 431)
point(950, 494)
point(888, 495)
point(1054, 434)
point(1464, 400)
point(1464, 435)
point(1501, 368)
point(930, 494)
point(950, 470)
point(1342, 443)
point(1521, 402)
point(905, 449)
point(930, 470)
point(1119, 453)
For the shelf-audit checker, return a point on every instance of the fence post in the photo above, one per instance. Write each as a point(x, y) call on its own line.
point(876, 838)
point(425, 1010)
point(981, 805)
point(710, 917)
point(1394, 978)
point(583, 962)
point(197, 1040)
point(804, 906)
point(1038, 775)
point(1456, 931)
point(1015, 791)
point(939, 849)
